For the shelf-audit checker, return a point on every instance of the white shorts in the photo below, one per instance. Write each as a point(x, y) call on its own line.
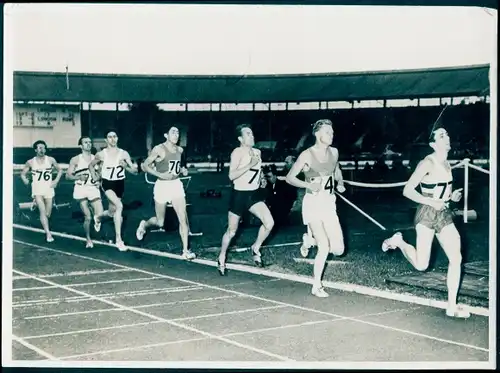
point(91, 193)
point(320, 207)
point(165, 191)
point(42, 190)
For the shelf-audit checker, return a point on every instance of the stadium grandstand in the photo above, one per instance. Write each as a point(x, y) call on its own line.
point(376, 114)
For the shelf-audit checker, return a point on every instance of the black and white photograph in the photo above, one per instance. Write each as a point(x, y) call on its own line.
point(218, 185)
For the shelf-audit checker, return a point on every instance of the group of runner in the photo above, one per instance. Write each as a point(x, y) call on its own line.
point(322, 180)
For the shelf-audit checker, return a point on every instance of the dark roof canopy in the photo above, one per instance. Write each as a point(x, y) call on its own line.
point(439, 82)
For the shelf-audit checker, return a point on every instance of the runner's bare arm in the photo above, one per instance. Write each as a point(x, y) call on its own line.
point(236, 170)
point(128, 164)
point(57, 166)
point(410, 189)
point(97, 159)
point(184, 170)
point(24, 172)
point(147, 165)
point(70, 172)
point(338, 172)
point(291, 177)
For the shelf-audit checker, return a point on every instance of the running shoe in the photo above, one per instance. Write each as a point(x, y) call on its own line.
point(221, 268)
point(392, 242)
point(121, 246)
point(97, 224)
point(319, 292)
point(188, 255)
point(141, 231)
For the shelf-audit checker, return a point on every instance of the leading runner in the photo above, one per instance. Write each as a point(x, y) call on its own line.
point(434, 217)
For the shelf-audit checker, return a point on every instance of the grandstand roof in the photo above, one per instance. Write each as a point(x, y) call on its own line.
point(438, 82)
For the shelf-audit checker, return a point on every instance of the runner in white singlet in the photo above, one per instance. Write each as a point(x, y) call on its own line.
point(245, 173)
point(434, 217)
point(86, 190)
point(168, 163)
point(319, 212)
point(42, 185)
point(114, 162)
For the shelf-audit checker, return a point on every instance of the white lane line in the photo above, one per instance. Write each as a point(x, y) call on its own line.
point(307, 323)
point(157, 318)
point(382, 326)
point(33, 348)
point(188, 301)
point(83, 331)
point(347, 287)
point(43, 302)
point(74, 273)
point(118, 309)
point(227, 313)
point(253, 282)
point(90, 283)
point(72, 357)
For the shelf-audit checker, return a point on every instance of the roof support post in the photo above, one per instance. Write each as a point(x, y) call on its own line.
point(90, 119)
point(116, 114)
point(149, 132)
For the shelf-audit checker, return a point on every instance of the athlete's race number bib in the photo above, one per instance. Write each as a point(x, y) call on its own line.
point(174, 167)
point(327, 184)
point(442, 191)
point(254, 176)
point(42, 175)
point(116, 173)
point(86, 180)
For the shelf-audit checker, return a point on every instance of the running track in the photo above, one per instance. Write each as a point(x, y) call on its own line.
point(71, 303)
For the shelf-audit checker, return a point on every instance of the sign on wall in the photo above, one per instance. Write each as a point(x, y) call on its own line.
point(58, 125)
point(45, 116)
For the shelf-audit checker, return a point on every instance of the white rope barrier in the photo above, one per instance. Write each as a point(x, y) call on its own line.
point(373, 185)
point(466, 163)
point(480, 169)
point(362, 212)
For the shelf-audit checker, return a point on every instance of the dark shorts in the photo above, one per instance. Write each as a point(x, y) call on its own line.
point(241, 200)
point(117, 186)
point(433, 219)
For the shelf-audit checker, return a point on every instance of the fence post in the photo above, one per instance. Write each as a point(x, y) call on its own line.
point(466, 186)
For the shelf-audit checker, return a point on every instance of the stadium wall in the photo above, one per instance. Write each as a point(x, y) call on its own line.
point(361, 133)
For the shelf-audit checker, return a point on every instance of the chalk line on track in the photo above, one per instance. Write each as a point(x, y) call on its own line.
point(145, 314)
point(256, 297)
point(281, 327)
point(359, 289)
point(74, 273)
point(89, 283)
point(134, 293)
point(34, 348)
point(83, 331)
point(140, 306)
point(79, 298)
